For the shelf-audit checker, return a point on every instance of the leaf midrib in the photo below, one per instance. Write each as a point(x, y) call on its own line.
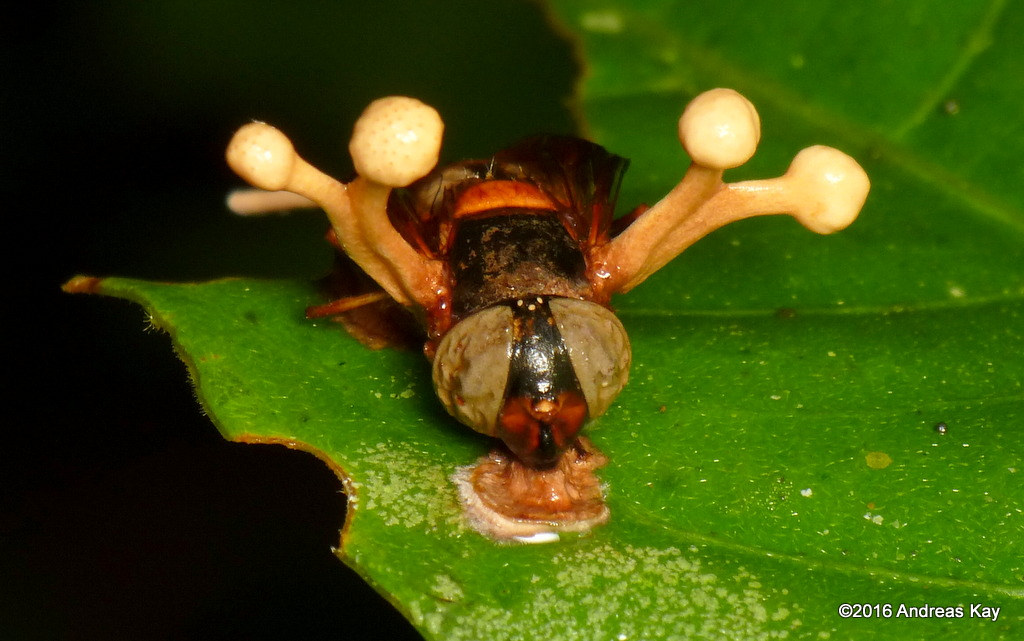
point(887, 310)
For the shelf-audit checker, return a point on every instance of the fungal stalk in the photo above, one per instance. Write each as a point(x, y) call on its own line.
point(823, 189)
point(396, 141)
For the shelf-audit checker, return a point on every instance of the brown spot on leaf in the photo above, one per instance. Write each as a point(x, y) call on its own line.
point(878, 460)
point(83, 285)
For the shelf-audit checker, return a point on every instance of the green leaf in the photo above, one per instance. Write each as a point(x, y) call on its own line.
point(775, 453)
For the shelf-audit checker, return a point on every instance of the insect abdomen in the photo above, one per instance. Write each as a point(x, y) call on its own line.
point(509, 253)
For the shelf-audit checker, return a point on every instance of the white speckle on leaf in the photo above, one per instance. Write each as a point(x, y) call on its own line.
point(609, 22)
point(618, 585)
point(446, 588)
point(874, 518)
point(404, 489)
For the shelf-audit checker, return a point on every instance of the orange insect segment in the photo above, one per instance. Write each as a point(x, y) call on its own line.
point(501, 194)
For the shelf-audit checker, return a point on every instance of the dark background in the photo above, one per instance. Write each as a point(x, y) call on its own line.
point(123, 514)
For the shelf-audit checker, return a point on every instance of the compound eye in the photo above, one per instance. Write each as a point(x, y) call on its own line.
point(598, 348)
point(471, 368)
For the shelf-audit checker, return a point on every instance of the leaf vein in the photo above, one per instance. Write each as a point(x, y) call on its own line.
point(824, 564)
point(972, 303)
point(977, 42)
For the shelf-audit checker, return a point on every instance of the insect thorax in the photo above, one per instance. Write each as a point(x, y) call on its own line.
point(509, 253)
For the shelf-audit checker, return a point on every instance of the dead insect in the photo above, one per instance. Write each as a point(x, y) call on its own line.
point(510, 264)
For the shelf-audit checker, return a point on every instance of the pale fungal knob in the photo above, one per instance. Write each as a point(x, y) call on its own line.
point(396, 141)
point(720, 129)
point(262, 155)
point(829, 187)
